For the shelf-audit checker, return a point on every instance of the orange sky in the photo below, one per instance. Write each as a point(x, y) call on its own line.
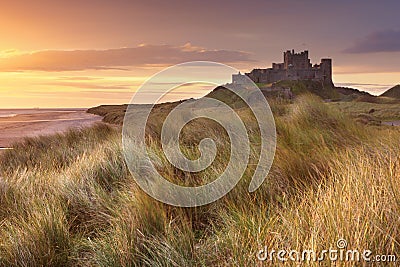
point(59, 54)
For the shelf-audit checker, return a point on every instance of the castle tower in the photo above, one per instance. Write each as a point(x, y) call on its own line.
point(287, 59)
point(296, 60)
point(326, 69)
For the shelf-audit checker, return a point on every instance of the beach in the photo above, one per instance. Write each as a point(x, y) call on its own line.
point(16, 124)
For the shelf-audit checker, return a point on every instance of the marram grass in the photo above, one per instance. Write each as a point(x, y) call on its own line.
point(69, 200)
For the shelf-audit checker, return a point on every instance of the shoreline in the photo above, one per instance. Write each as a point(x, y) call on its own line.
point(34, 123)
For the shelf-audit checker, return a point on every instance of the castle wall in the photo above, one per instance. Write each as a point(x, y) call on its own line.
point(278, 66)
point(296, 66)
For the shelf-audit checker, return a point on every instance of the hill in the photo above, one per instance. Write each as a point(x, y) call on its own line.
point(328, 91)
point(359, 105)
point(323, 90)
point(393, 92)
point(114, 114)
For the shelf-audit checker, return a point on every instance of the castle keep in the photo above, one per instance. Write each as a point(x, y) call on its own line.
point(295, 66)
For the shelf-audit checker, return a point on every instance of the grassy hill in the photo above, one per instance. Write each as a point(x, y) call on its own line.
point(393, 92)
point(360, 106)
point(115, 113)
point(324, 90)
point(69, 199)
point(380, 111)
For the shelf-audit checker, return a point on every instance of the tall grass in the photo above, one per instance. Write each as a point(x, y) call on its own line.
point(69, 200)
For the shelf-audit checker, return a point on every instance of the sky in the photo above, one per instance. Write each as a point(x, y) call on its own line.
point(87, 53)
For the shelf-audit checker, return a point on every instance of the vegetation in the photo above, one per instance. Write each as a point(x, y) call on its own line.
point(324, 90)
point(328, 91)
point(69, 200)
point(113, 114)
point(393, 92)
point(378, 111)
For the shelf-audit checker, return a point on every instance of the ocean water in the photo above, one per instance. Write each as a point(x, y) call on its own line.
point(8, 113)
point(20, 126)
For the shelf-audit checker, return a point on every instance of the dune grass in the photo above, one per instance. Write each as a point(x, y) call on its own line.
point(380, 111)
point(393, 92)
point(69, 200)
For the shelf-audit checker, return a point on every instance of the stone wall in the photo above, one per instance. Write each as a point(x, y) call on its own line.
point(296, 66)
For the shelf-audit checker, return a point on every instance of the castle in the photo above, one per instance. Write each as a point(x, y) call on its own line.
point(296, 66)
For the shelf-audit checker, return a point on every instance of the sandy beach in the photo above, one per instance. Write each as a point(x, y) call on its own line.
point(17, 124)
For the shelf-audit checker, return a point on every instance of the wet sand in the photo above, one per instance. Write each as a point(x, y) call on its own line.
point(32, 123)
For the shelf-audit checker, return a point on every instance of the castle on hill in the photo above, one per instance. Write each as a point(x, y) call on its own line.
point(295, 66)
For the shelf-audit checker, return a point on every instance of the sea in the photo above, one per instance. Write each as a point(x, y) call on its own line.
point(8, 113)
point(12, 130)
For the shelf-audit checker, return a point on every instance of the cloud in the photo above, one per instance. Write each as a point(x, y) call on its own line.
point(82, 85)
point(120, 59)
point(100, 95)
point(79, 78)
point(380, 41)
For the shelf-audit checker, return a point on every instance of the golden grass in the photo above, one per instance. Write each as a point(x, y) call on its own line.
point(380, 111)
point(69, 200)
